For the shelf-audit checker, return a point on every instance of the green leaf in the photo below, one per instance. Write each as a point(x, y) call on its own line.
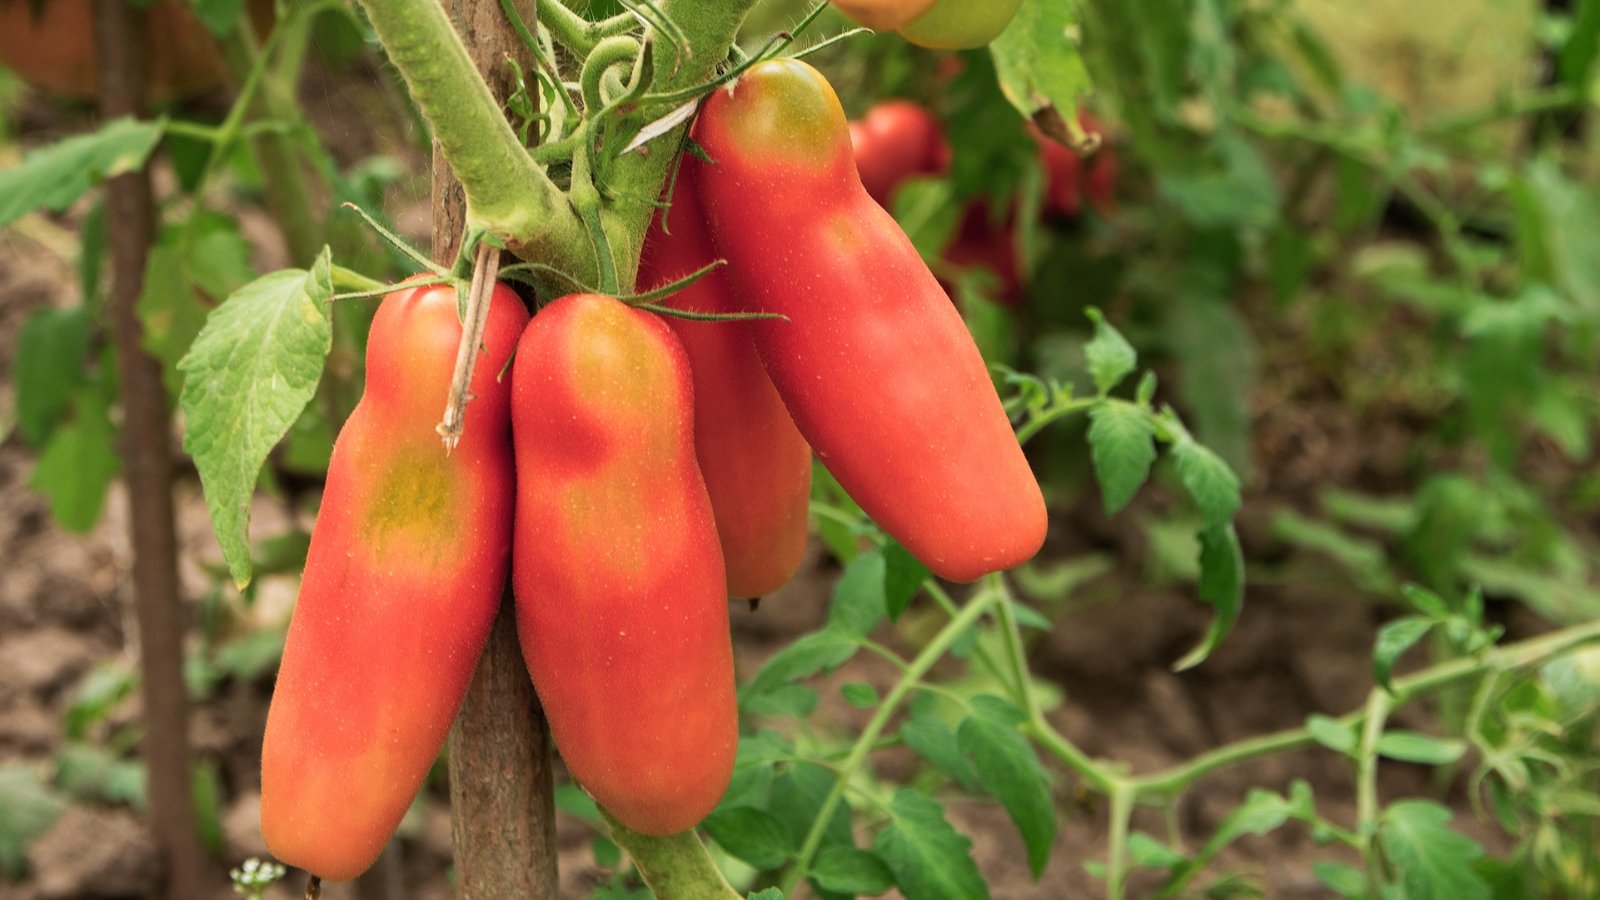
point(1221, 585)
point(1349, 881)
point(216, 256)
point(1009, 769)
point(797, 798)
point(56, 176)
point(1331, 733)
point(248, 375)
point(752, 835)
point(821, 651)
point(1149, 853)
point(935, 742)
point(1209, 481)
point(929, 859)
point(27, 810)
point(903, 577)
point(1394, 639)
point(220, 17)
point(768, 894)
point(927, 211)
point(49, 368)
point(1037, 61)
point(79, 463)
point(169, 310)
point(1433, 861)
point(847, 870)
point(1111, 358)
point(859, 694)
point(858, 599)
point(1122, 445)
point(95, 775)
point(1409, 746)
point(97, 693)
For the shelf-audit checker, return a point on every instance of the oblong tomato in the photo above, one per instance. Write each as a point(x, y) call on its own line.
point(874, 363)
point(883, 15)
point(407, 565)
point(622, 607)
point(895, 140)
point(756, 465)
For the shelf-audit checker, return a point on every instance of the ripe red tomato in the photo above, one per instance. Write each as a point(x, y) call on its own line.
point(407, 564)
point(982, 241)
point(895, 140)
point(874, 362)
point(55, 48)
point(622, 607)
point(756, 465)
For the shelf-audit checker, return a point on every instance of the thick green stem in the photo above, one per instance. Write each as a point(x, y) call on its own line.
point(508, 194)
point(676, 867)
point(1122, 799)
point(976, 609)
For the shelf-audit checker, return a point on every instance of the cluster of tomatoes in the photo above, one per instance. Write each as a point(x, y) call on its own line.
point(898, 140)
point(633, 472)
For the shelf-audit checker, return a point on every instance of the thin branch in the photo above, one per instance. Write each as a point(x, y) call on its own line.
point(485, 271)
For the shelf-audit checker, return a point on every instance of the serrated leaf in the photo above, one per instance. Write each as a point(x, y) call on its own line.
point(929, 859)
point(817, 652)
point(1122, 445)
point(1037, 61)
point(49, 368)
point(1111, 358)
point(1409, 746)
point(903, 577)
point(1008, 769)
point(1331, 733)
point(1394, 639)
point(1432, 860)
point(248, 375)
point(847, 870)
point(1209, 481)
point(55, 176)
point(795, 700)
point(858, 598)
point(752, 835)
point(27, 810)
point(1349, 881)
point(79, 462)
point(936, 743)
point(797, 798)
point(1221, 585)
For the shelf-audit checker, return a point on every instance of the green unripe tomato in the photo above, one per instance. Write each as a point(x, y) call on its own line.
point(961, 24)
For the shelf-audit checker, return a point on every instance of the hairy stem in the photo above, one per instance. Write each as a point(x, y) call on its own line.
point(676, 867)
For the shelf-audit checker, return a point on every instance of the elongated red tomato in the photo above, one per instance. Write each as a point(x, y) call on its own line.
point(407, 563)
point(883, 15)
point(874, 363)
point(621, 602)
point(756, 465)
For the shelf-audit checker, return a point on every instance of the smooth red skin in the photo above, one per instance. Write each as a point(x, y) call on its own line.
point(874, 363)
point(895, 140)
point(756, 465)
point(407, 563)
point(980, 241)
point(621, 602)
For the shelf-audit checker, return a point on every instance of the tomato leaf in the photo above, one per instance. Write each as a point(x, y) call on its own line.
point(936, 743)
point(1331, 733)
point(27, 810)
point(858, 599)
point(49, 367)
point(1221, 585)
point(1209, 481)
point(752, 835)
point(56, 176)
point(253, 368)
point(848, 870)
point(1038, 61)
point(1121, 443)
point(1409, 746)
point(1009, 769)
point(929, 859)
point(1111, 358)
point(1394, 639)
point(902, 578)
point(79, 462)
point(1433, 861)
